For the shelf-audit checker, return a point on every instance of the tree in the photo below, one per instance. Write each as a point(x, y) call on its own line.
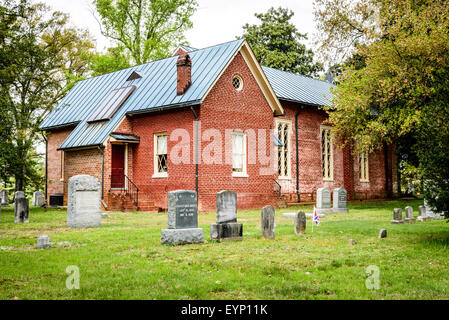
point(399, 90)
point(146, 29)
point(115, 59)
point(40, 59)
point(276, 43)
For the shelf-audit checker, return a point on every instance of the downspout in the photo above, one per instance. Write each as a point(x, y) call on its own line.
point(46, 169)
point(102, 177)
point(196, 151)
point(297, 154)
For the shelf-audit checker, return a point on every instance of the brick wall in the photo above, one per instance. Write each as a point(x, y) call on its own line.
point(346, 165)
point(54, 182)
point(85, 161)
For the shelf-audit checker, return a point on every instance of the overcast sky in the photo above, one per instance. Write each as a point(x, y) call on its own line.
point(215, 21)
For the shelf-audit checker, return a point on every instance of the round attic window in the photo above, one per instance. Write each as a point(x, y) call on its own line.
point(237, 82)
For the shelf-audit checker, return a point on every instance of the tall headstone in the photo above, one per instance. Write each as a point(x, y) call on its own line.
point(21, 208)
point(300, 223)
point(409, 215)
point(397, 216)
point(323, 200)
point(340, 199)
point(226, 228)
point(182, 219)
point(422, 216)
point(38, 199)
point(267, 222)
point(4, 198)
point(432, 214)
point(83, 210)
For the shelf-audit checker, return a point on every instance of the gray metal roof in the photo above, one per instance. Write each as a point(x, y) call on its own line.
point(126, 137)
point(156, 90)
point(298, 88)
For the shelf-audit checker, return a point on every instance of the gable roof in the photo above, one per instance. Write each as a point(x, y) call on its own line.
point(155, 91)
point(298, 88)
point(185, 48)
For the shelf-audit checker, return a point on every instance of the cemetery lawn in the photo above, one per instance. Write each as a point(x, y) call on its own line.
point(124, 259)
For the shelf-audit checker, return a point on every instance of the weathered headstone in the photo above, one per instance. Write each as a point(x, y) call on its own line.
point(226, 228)
point(409, 215)
point(422, 214)
point(323, 200)
point(4, 198)
point(382, 233)
point(300, 223)
point(38, 199)
point(267, 222)
point(432, 214)
point(21, 208)
point(43, 242)
point(340, 199)
point(83, 209)
point(397, 216)
point(182, 219)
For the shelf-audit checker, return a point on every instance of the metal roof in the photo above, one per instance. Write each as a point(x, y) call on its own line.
point(298, 88)
point(125, 137)
point(156, 90)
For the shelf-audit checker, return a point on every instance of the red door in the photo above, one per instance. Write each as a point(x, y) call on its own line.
point(118, 166)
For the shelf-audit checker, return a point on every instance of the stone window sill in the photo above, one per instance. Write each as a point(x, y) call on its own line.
point(239, 175)
point(160, 175)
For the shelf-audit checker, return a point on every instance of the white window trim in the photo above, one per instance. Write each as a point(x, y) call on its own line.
point(289, 155)
point(331, 177)
point(244, 173)
point(367, 168)
point(158, 175)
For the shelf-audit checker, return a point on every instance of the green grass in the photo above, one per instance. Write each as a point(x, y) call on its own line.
point(124, 259)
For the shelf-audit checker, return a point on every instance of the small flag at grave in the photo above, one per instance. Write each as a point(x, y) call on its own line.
point(316, 217)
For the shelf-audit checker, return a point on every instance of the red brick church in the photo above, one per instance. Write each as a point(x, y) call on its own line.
point(207, 119)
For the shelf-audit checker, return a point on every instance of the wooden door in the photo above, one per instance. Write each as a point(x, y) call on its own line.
point(118, 166)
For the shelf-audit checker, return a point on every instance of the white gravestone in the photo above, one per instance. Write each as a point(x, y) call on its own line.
point(340, 199)
point(431, 214)
point(409, 215)
point(38, 199)
point(422, 216)
point(84, 209)
point(323, 200)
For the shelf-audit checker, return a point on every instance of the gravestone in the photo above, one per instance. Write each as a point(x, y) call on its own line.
point(397, 216)
point(38, 199)
point(432, 214)
point(21, 208)
point(182, 219)
point(43, 242)
point(267, 222)
point(300, 223)
point(83, 203)
point(4, 198)
point(382, 233)
point(340, 199)
point(409, 215)
point(323, 200)
point(226, 228)
point(422, 216)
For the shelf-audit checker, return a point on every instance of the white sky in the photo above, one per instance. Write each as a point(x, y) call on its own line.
point(215, 21)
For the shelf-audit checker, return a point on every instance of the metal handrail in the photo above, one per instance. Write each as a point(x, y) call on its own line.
point(127, 186)
point(279, 191)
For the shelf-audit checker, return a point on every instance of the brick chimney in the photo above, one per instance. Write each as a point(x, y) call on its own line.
point(184, 67)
